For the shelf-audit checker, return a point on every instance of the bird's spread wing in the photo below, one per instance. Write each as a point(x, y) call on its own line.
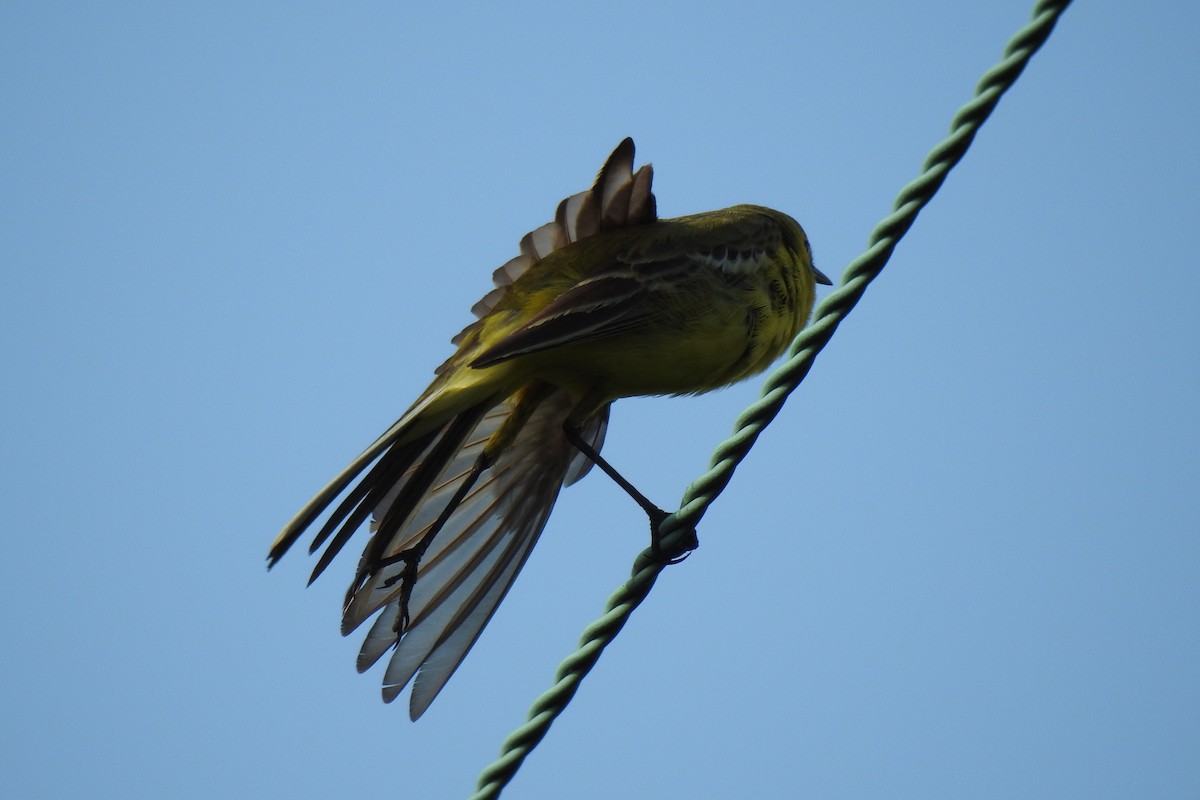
point(474, 558)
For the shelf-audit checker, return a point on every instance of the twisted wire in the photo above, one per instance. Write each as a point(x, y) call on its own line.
point(678, 530)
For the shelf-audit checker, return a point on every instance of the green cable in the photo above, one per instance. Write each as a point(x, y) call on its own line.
point(678, 530)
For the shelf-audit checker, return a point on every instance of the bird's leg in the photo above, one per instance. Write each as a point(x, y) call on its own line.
point(412, 555)
point(656, 514)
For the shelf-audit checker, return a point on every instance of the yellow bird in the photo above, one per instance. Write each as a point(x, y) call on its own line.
point(606, 301)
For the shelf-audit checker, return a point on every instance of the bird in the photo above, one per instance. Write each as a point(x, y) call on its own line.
point(605, 301)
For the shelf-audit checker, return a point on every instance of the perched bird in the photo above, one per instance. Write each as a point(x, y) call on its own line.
point(606, 301)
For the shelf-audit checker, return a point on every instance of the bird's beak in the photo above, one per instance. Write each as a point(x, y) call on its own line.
point(820, 278)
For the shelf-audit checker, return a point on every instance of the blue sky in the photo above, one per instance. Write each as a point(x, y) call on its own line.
point(964, 562)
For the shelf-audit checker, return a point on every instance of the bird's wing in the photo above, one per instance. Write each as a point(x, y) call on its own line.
point(474, 558)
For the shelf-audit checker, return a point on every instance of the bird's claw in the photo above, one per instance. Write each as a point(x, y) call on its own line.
point(678, 553)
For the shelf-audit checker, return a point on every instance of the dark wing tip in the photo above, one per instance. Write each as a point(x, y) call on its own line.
point(282, 544)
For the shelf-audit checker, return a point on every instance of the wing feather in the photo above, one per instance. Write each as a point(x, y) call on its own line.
point(473, 560)
point(619, 198)
point(316, 506)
